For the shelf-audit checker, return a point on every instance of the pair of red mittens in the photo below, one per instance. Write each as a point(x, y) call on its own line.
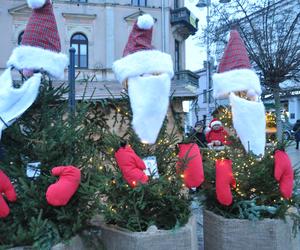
point(189, 155)
point(59, 193)
point(7, 189)
point(283, 173)
point(190, 160)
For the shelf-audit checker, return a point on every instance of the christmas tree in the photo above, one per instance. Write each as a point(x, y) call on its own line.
point(133, 199)
point(44, 137)
point(161, 201)
point(246, 179)
point(255, 194)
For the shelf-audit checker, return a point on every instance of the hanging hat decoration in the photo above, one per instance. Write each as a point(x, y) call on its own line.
point(235, 79)
point(147, 72)
point(40, 47)
point(234, 71)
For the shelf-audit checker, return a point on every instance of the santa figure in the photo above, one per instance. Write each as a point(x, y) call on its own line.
point(235, 79)
point(147, 73)
point(217, 135)
point(39, 52)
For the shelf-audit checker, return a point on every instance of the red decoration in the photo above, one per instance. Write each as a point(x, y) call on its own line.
point(224, 180)
point(215, 134)
point(8, 190)
point(59, 193)
point(220, 135)
point(41, 30)
point(190, 159)
point(131, 166)
point(284, 173)
point(140, 38)
point(235, 55)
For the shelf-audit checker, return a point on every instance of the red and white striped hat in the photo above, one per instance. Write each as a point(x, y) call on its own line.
point(214, 122)
point(139, 56)
point(40, 46)
point(234, 71)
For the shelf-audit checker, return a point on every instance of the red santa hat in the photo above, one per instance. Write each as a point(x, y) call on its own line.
point(214, 122)
point(234, 71)
point(139, 56)
point(40, 47)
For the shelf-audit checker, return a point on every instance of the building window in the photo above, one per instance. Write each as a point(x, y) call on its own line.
point(176, 4)
point(177, 56)
point(139, 2)
point(20, 37)
point(80, 43)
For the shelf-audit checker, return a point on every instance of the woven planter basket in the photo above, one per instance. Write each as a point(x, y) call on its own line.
point(234, 234)
point(184, 238)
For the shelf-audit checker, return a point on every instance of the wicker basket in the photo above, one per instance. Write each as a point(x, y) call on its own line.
point(234, 234)
point(184, 238)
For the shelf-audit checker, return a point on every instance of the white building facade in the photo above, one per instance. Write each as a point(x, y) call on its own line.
point(99, 30)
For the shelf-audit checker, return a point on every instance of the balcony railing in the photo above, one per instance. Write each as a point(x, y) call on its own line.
point(185, 84)
point(187, 77)
point(184, 23)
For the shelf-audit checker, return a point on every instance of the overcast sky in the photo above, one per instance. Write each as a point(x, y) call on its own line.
point(195, 54)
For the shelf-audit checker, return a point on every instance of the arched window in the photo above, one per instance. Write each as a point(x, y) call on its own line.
point(80, 43)
point(20, 37)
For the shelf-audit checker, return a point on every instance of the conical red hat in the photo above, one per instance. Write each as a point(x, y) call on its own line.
point(41, 30)
point(140, 37)
point(234, 71)
point(139, 56)
point(235, 55)
point(40, 47)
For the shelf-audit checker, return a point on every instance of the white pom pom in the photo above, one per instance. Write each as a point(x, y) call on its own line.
point(145, 22)
point(36, 4)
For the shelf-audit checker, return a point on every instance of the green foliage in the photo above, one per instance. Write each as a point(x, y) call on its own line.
point(257, 193)
point(157, 203)
point(46, 134)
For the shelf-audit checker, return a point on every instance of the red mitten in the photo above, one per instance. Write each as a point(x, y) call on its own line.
point(59, 193)
point(284, 173)
point(131, 166)
point(8, 190)
point(190, 159)
point(224, 179)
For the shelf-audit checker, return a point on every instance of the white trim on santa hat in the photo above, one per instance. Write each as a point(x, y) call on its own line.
point(143, 62)
point(215, 123)
point(235, 80)
point(29, 57)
